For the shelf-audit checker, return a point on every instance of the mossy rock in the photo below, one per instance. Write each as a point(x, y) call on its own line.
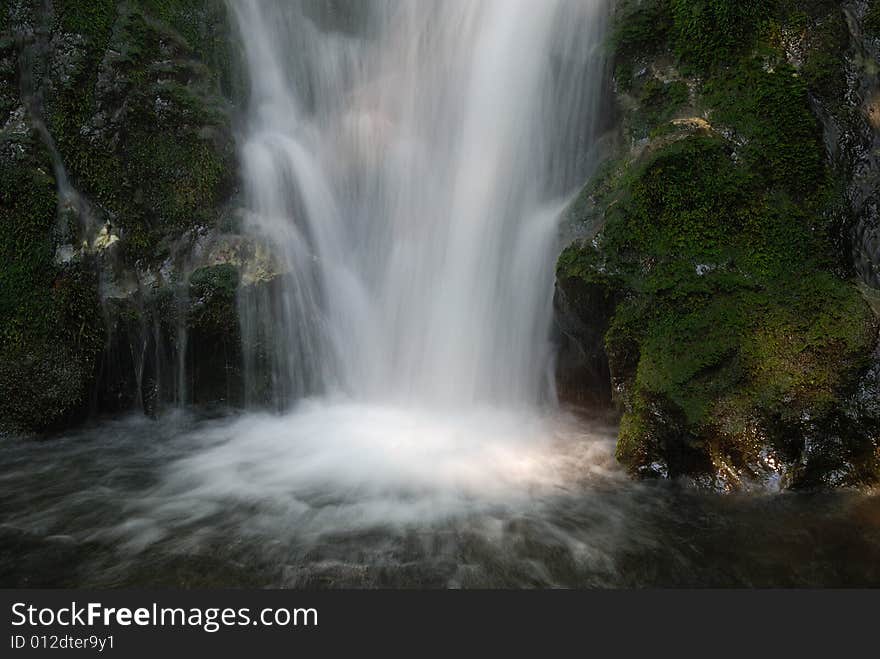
point(826, 44)
point(871, 22)
point(735, 341)
point(700, 33)
point(47, 363)
point(641, 29)
point(769, 109)
point(50, 325)
point(707, 32)
point(212, 294)
point(141, 124)
point(132, 94)
point(658, 103)
point(732, 321)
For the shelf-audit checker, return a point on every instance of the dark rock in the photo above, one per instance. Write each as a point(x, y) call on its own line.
point(214, 352)
point(583, 307)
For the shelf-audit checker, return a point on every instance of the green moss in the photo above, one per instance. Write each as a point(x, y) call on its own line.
point(827, 44)
point(768, 106)
point(701, 33)
point(27, 215)
point(684, 199)
point(712, 356)
point(50, 327)
point(164, 164)
point(871, 21)
point(708, 32)
point(578, 260)
point(598, 193)
point(144, 135)
point(733, 335)
point(177, 182)
point(74, 101)
point(732, 315)
point(212, 292)
point(641, 28)
point(816, 32)
point(658, 103)
point(203, 26)
point(8, 75)
point(219, 280)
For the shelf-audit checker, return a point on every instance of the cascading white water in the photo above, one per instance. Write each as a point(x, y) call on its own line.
point(407, 162)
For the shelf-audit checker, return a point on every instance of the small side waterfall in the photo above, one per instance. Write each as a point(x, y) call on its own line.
point(406, 163)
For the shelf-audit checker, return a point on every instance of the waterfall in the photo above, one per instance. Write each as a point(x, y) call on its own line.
point(406, 164)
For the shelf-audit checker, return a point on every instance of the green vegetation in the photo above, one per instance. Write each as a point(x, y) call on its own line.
point(140, 126)
point(827, 41)
point(131, 98)
point(872, 19)
point(642, 28)
point(50, 333)
point(658, 103)
point(212, 291)
point(709, 32)
point(735, 338)
point(769, 109)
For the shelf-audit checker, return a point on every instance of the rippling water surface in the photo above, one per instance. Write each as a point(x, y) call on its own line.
point(397, 498)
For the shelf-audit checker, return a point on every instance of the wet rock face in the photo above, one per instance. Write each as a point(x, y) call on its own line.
point(582, 311)
point(214, 355)
point(840, 57)
point(50, 331)
point(857, 136)
point(177, 344)
point(140, 120)
point(718, 267)
point(117, 167)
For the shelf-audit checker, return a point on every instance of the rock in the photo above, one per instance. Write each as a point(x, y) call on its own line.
point(214, 351)
point(116, 155)
point(715, 272)
point(253, 259)
point(584, 302)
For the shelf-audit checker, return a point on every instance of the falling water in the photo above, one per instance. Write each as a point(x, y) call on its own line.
point(407, 163)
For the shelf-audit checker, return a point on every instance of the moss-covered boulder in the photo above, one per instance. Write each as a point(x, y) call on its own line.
point(736, 340)
point(116, 158)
